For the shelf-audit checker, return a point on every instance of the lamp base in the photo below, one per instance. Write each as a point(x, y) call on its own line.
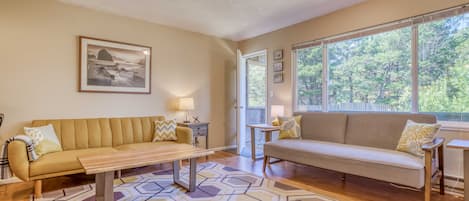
point(186, 121)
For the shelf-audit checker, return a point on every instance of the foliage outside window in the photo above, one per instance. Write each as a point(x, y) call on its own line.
point(309, 79)
point(256, 82)
point(374, 73)
point(371, 73)
point(444, 68)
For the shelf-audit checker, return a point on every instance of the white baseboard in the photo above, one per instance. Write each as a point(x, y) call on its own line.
point(222, 148)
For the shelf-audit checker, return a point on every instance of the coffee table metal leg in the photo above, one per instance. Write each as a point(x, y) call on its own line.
point(176, 168)
point(104, 186)
point(192, 175)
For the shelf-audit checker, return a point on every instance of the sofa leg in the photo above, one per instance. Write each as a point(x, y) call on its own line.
point(37, 188)
point(428, 174)
point(266, 161)
point(442, 170)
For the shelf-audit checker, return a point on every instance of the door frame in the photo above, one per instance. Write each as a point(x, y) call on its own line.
point(241, 93)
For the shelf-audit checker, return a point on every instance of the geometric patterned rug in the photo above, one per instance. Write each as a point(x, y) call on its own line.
point(214, 182)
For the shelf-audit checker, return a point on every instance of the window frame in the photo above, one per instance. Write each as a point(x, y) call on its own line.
point(412, 22)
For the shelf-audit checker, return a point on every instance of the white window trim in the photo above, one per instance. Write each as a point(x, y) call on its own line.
point(414, 69)
point(294, 81)
point(325, 79)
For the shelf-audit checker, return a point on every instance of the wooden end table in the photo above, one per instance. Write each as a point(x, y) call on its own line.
point(199, 129)
point(464, 145)
point(267, 129)
point(104, 165)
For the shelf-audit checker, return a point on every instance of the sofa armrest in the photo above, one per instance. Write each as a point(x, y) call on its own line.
point(18, 159)
point(184, 135)
point(437, 142)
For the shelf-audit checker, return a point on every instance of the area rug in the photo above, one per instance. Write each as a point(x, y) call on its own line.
point(214, 182)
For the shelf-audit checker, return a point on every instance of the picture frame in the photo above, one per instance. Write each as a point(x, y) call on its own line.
point(278, 54)
point(278, 66)
point(278, 77)
point(114, 67)
point(2, 116)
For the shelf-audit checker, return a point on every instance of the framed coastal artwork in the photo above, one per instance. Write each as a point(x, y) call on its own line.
point(114, 67)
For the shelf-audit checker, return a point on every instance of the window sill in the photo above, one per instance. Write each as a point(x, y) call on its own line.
point(454, 126)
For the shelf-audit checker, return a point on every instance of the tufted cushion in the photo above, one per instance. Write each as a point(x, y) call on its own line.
point(102, 132)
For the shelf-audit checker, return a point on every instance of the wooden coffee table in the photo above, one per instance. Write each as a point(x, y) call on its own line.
point(105, 165)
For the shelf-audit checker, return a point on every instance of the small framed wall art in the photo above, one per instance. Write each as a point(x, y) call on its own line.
point(278, 77)
point(278, 54)
point(278, 66)
point(114, 67)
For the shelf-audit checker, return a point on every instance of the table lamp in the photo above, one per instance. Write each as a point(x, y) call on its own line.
point(277, 111)
point(186, 104)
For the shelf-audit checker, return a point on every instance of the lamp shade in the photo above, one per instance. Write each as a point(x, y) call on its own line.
point(277, 110)
point(186, 104)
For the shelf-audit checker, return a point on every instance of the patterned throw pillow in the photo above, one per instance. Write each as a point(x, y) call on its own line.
point(44, 139)
point(289, 127)
point(165, 130)
point(415, 135)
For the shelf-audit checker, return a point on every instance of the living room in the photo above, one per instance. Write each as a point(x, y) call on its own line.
point(234, 100)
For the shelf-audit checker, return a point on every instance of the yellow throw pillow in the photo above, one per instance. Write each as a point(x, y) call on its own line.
point(44, 139)
point(165, 130)
point(415, 135)
point(289, 127)
point(275, 122)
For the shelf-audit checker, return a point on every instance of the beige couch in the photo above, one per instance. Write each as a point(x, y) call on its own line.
point(81, 137)
point(362, 144)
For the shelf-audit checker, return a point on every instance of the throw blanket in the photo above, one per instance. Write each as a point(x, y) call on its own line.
point(5, 170)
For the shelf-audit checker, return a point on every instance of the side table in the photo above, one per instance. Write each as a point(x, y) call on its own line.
point(199, 129)
point(268, 129)
point(464, 145)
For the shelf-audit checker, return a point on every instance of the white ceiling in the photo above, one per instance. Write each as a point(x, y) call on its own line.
point(231, 19)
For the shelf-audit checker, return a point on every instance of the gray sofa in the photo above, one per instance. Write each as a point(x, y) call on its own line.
point(362, 144)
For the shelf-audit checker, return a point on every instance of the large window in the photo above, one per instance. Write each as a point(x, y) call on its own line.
point(444, 68)
point(309, 79)
point(382, 70)
point(371, 73)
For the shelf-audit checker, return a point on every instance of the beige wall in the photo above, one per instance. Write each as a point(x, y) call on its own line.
point(369, 13)
point(39, 67)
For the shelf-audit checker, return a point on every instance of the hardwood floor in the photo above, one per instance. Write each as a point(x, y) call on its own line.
point(314, 179)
